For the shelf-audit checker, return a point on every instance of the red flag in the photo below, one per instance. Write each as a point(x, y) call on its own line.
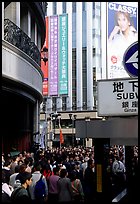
point(61, 137)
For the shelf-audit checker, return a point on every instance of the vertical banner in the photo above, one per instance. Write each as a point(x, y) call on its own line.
point(122, 32)
point(53, 56)
point(44, 67)
point(63, 54)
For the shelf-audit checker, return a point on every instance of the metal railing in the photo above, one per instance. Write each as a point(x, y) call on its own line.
point(14, 35)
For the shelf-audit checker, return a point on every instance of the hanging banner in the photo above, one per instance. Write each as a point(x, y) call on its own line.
point(53, 56)
point(63, 54)
point(44, 67)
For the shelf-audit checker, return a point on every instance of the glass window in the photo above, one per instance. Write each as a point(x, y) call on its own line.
point(83, 6)
point(73, 7)
point(64, 7)
point(54, 8)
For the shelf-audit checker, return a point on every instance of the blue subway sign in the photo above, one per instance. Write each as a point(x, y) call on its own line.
point(130, 60)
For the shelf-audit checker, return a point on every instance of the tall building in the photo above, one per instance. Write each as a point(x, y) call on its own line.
point(89, 24)
point(23, 35)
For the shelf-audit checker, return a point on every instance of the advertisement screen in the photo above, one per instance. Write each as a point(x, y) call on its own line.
point(121, 32)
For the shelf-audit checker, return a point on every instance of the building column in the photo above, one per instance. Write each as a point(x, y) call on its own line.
point(35, 34)
point(2, 20)
point(18, 14)
point(90, 101)
point(29, 24)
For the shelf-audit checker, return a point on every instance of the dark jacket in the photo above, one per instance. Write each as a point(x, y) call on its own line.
point(20, 194)
point(90, 180)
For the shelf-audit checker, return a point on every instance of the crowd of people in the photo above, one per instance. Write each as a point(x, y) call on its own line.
point(68, 175)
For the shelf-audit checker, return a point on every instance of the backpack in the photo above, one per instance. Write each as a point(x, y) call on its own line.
point(39, 190)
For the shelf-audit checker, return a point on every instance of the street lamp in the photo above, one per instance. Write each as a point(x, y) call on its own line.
point(73, 118)
point(54, 117)
point(44, 54)
point(87, 119)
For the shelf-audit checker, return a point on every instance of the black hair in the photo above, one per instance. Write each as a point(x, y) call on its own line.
point(55, 170)
point(63, 173)
point(23, 177)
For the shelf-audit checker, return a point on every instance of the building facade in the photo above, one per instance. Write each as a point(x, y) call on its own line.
point(23, 35)
point(88, 29)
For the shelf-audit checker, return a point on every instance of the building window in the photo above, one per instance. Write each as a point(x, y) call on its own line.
point(94, 87)
point(54, 8)
point(84, 62)
point(83, 6)
point(73, 7)
point(74, 78)
point(54, 108)
point(64, 103)
point(64, 7)
point(93, 5)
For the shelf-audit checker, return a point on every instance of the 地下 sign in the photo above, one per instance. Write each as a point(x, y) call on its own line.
point(130, 60)
point(118, 97)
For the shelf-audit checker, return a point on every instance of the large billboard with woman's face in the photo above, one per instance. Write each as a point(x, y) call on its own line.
point(122, 31)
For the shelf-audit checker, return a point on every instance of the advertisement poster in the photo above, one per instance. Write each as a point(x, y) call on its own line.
point(122, 32)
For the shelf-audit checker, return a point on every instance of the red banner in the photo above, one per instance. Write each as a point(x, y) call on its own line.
point(44, 67)
point(61, 137)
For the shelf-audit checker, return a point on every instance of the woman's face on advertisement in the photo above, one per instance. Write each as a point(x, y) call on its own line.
point(123, 22)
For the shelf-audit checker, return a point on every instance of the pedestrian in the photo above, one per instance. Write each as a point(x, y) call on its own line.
point(65, 194)
point(53, 186)
point(90, 183)
point(36, 175)
point(13, 176)
point(118, 169)
point(6, 188)
point(78, 194)
point(21, 193)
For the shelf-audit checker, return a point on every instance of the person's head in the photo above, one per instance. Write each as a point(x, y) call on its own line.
point(63, 173)
point(123, 20)
point(25, 178)
point(73, 176)
point(20, 161)
point(17, 168)
point(90, 163)
point(37, 167)
point(22, 168)
point(5, 177)
point(7, 163)
point(56, 170)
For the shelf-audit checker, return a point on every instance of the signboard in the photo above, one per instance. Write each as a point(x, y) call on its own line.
point(117, 97)
point(122, 31)
point(130, 60)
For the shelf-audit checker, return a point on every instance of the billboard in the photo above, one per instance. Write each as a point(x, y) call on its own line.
point(122, 31)
point(122, 97)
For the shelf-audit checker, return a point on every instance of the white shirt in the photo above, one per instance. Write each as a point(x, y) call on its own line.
point(118, 166)
point(7, 189)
